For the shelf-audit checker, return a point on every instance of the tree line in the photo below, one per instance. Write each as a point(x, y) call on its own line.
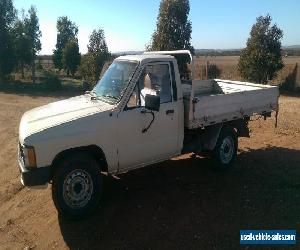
point(20, 42)
point(67, 56)
point(19, 39)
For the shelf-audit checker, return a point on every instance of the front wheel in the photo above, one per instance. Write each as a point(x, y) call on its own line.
point(225, 150)
point(77, 186)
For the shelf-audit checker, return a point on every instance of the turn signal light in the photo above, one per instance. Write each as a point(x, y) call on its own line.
point(31, 157)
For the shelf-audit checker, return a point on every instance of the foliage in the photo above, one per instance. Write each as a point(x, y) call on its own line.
point(85, 68)
point(71, 56)
point(34, 34)
point(33, 30)
point(66, 31)
point(22, 44)
point(51, 81)
point(27, 40)
point(97, 43)
point(7, 17)
point(213, 71)
point(262, 58)
point(173, 29)
point(94, 60)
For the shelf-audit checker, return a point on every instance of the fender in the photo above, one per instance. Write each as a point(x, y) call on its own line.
point(211, 136)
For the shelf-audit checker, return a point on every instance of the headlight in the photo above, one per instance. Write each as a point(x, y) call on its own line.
point(28, 155)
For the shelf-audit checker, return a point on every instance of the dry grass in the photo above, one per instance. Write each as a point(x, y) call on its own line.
point(228, 67)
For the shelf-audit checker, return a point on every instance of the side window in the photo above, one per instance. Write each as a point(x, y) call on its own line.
point(133, 101)
point(155, 80)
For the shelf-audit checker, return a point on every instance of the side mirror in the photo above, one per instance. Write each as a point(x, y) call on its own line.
point(152, 102)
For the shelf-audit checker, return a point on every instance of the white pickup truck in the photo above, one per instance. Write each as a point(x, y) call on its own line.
point(139, 113)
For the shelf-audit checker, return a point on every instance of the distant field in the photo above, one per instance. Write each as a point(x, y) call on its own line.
point(228, 67)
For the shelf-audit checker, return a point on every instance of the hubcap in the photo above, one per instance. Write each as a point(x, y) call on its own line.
point(77, 188)
point(227, 149)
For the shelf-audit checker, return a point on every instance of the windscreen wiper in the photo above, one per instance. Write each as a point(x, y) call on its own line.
point(94, 96)
point(110, 96)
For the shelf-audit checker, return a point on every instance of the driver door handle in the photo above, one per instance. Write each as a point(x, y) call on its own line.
point(170, 111)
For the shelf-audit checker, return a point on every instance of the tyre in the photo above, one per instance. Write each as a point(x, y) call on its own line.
point(225, 151)
point(77, 186)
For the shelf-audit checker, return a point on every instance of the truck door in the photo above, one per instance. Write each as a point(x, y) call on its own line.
point(161, 140)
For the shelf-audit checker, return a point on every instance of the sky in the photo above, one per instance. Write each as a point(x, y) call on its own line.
point(129, 24)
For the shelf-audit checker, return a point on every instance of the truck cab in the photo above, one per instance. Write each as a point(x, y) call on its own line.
point(136, 115)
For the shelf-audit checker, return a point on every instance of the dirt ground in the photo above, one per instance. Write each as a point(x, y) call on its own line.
point(183, 203)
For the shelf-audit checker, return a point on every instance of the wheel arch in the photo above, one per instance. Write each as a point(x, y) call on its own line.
point(95, 151)
point(240, 126)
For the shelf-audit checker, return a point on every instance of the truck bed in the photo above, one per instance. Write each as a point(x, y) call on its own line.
point(207, 102)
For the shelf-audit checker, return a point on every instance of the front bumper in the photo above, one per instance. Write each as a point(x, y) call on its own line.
point(35, 176)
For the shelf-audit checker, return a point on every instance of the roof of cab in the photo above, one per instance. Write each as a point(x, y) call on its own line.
point(143, 57)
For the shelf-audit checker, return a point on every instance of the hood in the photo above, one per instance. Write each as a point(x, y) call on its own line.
point(56, 113)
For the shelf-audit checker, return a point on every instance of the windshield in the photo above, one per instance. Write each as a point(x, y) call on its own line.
point(111, 86)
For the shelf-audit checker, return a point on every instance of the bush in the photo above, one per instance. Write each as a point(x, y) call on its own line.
point(261, 60)
point(52, 81)
point(213, 71)
point(91, 66)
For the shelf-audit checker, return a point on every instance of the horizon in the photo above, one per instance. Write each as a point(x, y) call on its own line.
point(222, 30)
point(222, 50)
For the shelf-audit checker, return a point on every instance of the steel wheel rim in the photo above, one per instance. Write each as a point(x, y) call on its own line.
point(77, 188)
point(227, 149)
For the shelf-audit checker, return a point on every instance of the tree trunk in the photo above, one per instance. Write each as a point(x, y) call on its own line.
point(33, 70)
point(206, 70)
point(22, 69)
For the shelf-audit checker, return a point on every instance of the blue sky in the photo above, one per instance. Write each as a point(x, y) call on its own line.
point(128, 25)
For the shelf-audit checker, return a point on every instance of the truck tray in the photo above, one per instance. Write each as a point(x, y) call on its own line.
point(215, 101)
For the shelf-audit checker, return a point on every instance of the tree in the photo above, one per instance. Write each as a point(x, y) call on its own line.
point(85, 68)
point(66, 31)
point(71, 56)
point(34, 34)
point(173, 29)
point(22, 44)
point(210, 71)
point(94, 60)
point(262, 58)
point(7, 18)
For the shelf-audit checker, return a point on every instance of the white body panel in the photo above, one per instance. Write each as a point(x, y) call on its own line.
point(215, 101)
point(71, 123)
point(160, 142)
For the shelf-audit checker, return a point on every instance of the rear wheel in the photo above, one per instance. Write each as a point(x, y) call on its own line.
point(77, 186)
point(226, 148)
